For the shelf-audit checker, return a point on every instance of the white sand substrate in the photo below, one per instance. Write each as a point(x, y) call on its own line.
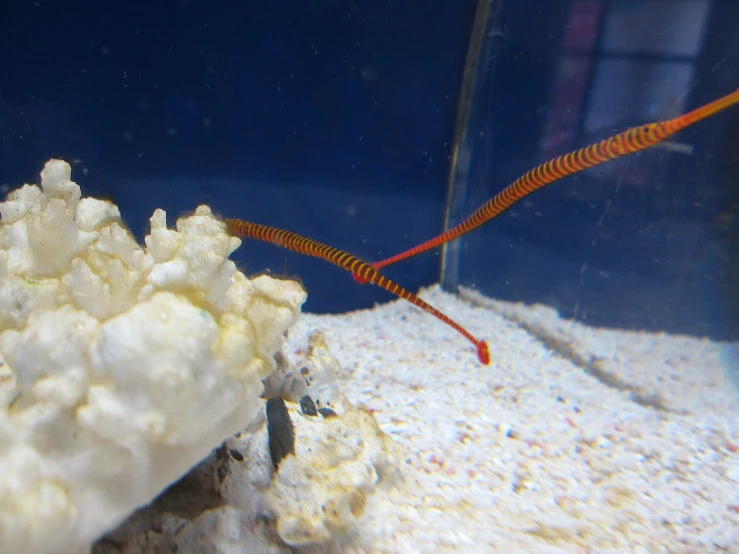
point(574, 439)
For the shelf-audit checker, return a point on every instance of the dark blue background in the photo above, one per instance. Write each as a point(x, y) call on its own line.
point(330, 118)
point(335, 119)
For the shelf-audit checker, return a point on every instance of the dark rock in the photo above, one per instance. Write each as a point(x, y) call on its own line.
point(280, 432)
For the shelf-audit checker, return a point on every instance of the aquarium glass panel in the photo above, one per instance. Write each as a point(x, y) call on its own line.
point(644, 242)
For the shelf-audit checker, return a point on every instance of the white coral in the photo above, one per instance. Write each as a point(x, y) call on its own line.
point(121, 366)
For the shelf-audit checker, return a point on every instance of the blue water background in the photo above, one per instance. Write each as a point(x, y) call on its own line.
point(336, 119)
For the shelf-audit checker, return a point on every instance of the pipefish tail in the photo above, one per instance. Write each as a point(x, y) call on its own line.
point(628, 142)
point(355, 266)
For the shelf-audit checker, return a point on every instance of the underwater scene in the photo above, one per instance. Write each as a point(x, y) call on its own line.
point(353, 277)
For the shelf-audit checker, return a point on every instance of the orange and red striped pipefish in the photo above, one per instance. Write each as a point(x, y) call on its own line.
point(304, 245)
point(628, 142)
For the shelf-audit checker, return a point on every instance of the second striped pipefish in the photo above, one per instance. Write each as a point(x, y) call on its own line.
point(628, 142)
point(358, 268)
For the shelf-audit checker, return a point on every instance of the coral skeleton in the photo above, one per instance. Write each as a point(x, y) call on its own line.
point(121, 366)
point(310, 498)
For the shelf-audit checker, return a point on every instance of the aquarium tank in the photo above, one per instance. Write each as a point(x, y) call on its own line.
point(353, 276)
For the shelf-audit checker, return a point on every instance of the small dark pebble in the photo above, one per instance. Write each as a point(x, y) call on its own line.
point(222, 465)
point(307, 406)
point(327, 412)
point(280, 432)
point(236, 455)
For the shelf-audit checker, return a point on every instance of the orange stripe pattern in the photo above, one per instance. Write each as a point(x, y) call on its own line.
point(358, 268)
point(628, 142)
